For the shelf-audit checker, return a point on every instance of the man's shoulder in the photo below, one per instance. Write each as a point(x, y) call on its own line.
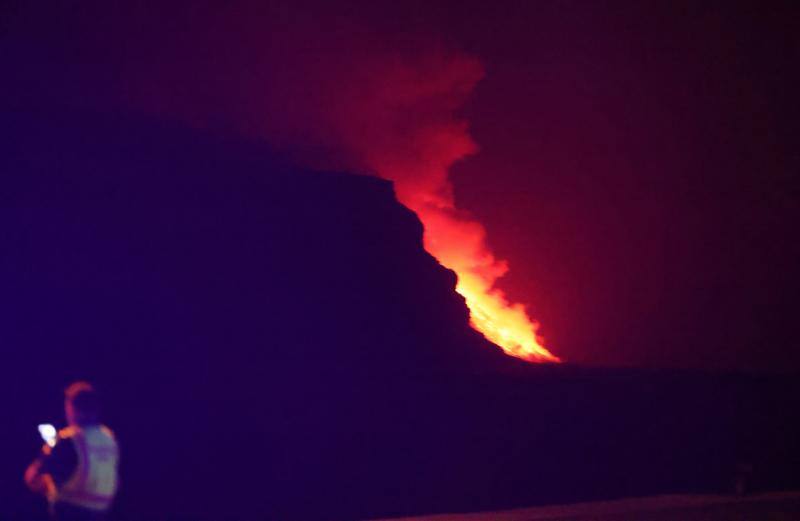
point(101, 436)
point(74, 430)
point(107, 431)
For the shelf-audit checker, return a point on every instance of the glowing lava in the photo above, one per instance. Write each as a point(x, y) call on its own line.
point(505, 324)
point(459, 243)
point(403, 124)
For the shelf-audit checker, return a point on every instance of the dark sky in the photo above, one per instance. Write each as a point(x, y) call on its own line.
point(639, 170)
point(637, 163)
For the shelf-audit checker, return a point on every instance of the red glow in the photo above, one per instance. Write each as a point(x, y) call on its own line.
point(344, 103)
point(457, 242)
point(412, 137)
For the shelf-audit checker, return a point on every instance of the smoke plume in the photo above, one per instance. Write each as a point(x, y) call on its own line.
point(336, 90)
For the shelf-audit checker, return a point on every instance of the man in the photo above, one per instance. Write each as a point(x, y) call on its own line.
point(78, 475)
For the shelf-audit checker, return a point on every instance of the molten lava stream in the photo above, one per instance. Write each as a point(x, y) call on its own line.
point(504, 324)
point(459, 243)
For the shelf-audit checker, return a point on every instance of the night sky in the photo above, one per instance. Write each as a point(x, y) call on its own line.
point(637, 162)
point(181, 225)
point(642, 176)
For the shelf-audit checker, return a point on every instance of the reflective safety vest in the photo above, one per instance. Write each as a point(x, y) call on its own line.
point(94, 482)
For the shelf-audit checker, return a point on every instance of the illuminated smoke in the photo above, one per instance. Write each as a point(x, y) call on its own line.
point(341, 94)
point(407, 132)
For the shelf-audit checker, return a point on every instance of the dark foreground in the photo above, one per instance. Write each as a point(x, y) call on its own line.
point(276, 344)
point(784, 506)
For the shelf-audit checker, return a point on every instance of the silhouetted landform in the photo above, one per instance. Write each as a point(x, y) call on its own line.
point(275, 344)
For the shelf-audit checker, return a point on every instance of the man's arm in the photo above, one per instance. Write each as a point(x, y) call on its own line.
point(52, 468)
point(35, 478)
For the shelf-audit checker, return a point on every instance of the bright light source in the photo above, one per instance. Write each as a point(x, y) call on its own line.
point(48, 433)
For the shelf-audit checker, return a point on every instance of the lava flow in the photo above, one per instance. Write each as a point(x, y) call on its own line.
point(337, 101)
point(408, 130)
point(458, 243)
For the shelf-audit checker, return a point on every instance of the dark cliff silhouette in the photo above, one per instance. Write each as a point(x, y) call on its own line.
point(275, 343)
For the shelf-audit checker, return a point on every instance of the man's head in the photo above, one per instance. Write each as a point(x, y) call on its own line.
point(81, 404)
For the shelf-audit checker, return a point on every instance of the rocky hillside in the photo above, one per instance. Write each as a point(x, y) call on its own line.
point(275, 343)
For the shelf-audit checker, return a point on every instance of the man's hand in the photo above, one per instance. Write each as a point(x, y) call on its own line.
point(34, 478)
point(41, 482)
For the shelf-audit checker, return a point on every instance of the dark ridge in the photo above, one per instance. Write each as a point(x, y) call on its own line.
point(275, 344)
